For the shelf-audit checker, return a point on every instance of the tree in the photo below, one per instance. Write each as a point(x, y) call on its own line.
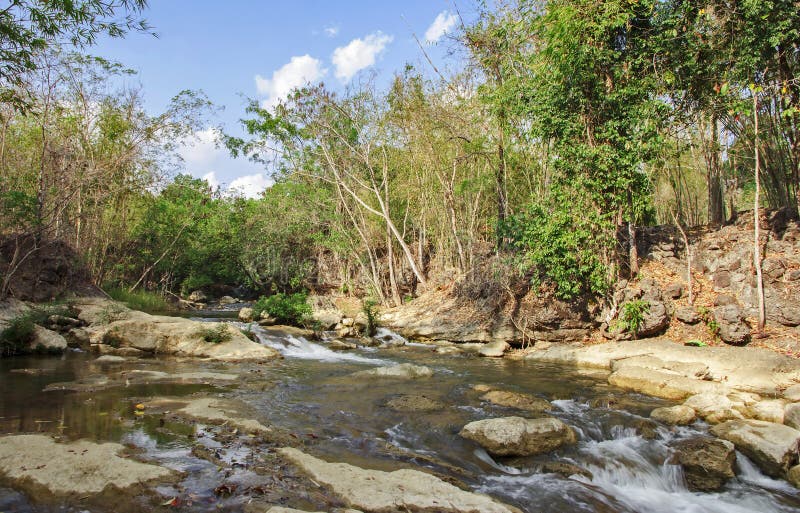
point(29, 27)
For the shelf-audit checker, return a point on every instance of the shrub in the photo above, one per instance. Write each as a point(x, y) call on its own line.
point(371, 313)
point(632, 315)
point(19, 332)
point(285, 308)
point(216, 335)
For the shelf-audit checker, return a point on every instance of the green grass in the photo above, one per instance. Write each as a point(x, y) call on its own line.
point(216, 335)
point(149, 302)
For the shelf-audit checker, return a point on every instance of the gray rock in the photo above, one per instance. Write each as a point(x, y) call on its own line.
point(679, 415)
point(401, 490)
point(724, 299)
point(341, 345)
point(714, 408)
point(655, 321)
point(792, 393)
point(733, 329)
point(228, 300)
point(109, 358)
point(494, 349)
point(793, 476)
point(327, 319)
point(674, 291)
point(773, 447)
point(789, 315)
point(687, 315)
point(516, 436)
point(48, 340)
point(707, 463)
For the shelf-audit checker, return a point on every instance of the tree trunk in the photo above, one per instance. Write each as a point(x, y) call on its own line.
point(716, 197)
point(762, 318)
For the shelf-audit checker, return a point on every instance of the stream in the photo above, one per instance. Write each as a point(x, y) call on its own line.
point(311, 394)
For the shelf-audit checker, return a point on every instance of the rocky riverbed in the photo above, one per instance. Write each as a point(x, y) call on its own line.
point(403, 427)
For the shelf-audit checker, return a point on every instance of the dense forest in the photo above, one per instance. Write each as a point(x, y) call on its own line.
point(562, 128)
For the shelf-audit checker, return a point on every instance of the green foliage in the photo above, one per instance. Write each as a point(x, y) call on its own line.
point(113, 338)
point(111, 313)
point(368, 308)
point(215, 335)
point(18, 335)
point(562, 246)
point(143, 300)
point(284, 308)
point(632, 315)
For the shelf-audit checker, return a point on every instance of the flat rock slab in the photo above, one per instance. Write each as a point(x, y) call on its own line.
point(401, 371)
point(773, 447)
point(744, 368)
point(412, 402)
point(281, 509)
point(210, 409)
point(661, 384)
point(516, 436)
point(516, 400)
point(400, 490)
point(81, 467)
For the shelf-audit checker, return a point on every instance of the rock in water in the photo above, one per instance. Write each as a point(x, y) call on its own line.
point(773, 447)
point(80, 467)
point(494, 349)
point(707, 463)
point(515, 400)
point(679, 415)
point(401, 490)
point(48, 340)
point(246, 314)
point(516, 436)
point(402, 371)
point(414, 403)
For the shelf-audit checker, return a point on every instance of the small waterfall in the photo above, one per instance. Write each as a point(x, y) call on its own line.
point(291, 346)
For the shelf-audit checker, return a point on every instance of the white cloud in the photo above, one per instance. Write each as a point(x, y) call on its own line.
point(443, 24)
point(359, 54)
point(211, 178)
point(331, 31)
point(201, 150)
point(249, 186)
point(299, 71)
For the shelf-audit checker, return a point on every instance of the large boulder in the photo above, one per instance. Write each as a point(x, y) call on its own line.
point(655, 320)
point(198, 296)
point(246, 314)
point(114, 327)
point(678, 415)
point(733, 328)
point(47, 340)
point(516, 436)
point(400, 490)
point(666, 385)
point(707, 463)
point(791, 415)
point(327, 319)
point(773, 447)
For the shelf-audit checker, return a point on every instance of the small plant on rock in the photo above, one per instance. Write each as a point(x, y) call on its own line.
point(632, 315)
point(371, 313)
point(216, 335)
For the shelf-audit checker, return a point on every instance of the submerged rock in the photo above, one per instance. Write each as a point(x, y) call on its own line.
point(679, 415)
point(516, 400)
point(414, 403)
point(565, 469)
point(209, 409)
point(402, 371)
point(707, 463)
point(517, 436)
point(773, 447)
point(80, 467)
point(401, 490)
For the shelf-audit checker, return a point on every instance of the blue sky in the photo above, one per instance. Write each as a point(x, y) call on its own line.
point(241, 49)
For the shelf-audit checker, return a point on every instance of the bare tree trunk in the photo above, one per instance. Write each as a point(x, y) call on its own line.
point(762, 320)
point(716, 198)
point(633, 252)
point(689, 285)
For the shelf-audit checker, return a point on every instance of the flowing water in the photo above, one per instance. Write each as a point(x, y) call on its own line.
point(311, 393)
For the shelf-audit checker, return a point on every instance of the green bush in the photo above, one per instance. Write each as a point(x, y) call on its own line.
point(284, 308)
point(194, 282)
point(371, 313)
point(632, 315)
point(563, 244)
point(19, 333)
point(143, 300)
point(216, 335)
